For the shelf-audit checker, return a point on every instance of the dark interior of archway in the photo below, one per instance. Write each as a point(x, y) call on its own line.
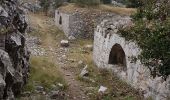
point(117, 56)
point(60, 20)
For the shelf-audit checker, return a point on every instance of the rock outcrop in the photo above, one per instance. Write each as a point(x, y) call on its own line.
point(14, 56)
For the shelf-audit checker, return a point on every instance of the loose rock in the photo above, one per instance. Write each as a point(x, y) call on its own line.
point(102, 89)
point(64, 43)
point(84, 72)
point(88, 47)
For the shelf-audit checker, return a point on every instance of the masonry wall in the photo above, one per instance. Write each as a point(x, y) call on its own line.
point(80, 23)
point(136, 74)
point(65, 22)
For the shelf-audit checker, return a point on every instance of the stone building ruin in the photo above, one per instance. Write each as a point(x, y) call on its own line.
point(113, 52)
point(79, 22)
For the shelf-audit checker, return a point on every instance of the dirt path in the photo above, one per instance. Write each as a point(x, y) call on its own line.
point(51, 42)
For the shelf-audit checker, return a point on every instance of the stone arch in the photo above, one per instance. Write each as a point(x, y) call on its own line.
point(60, 20)
point(117, 56)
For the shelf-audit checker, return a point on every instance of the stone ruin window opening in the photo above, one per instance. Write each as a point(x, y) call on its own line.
point(117, 56)
point(60, 20)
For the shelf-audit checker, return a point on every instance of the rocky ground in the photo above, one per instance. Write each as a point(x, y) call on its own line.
point(73, 59)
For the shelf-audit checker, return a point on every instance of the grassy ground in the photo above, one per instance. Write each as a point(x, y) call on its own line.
point(70, 8)
point(43, 73)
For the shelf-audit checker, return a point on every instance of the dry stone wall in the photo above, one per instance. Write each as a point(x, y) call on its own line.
point(81, 22)
point(14, 56)
point(137, 75)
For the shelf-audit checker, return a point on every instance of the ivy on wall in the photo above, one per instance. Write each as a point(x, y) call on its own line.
point(151, 31)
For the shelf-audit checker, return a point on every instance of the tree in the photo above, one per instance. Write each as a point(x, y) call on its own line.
point(151, 31)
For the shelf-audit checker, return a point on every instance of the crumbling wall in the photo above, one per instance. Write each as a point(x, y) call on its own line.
point(81, 22)
point(135, 73)
point(62, 21)
point(14, 57)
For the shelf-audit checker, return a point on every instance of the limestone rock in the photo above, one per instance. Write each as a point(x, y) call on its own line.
point(64, 43)
point(39, 88)
point(14, 56)
point(32, 6)
point(102, 89)
point(84, 72)
point(71, 38)
point(57, 95)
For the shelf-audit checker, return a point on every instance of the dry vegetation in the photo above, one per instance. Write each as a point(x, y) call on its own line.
point(40, 69)
point(118, 10)
point(44, 70)
point(70, 8)
point(117, 90)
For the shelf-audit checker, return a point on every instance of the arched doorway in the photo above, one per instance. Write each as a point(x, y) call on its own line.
point(117, 56)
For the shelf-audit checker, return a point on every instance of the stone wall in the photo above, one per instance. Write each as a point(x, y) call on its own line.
point(137, 75)
point(14, 56)
point(80, 23)
point(65, 21)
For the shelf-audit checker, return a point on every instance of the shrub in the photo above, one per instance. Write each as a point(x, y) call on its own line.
point(151, 31)
point(46, 4)
point(106, 1)
point(134, 3)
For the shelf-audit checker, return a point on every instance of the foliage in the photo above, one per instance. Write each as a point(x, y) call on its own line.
point(151, 31)
point(106, 1)
point(134, 3)
point(58, 3)
point(46, 4)
point(43, 73)
point(86, 2)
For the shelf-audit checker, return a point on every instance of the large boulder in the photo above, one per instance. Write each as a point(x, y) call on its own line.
point(14, 56)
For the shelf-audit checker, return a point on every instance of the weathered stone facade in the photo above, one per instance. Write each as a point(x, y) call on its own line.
point(14, 56)
point(81, 22)
point(62, 21)
point(114, 52)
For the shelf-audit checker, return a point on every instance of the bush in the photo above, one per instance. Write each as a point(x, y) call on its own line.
point(87, 2)
point(106, 1)
point(134, 3)
point(46, 4)
point(151, 31)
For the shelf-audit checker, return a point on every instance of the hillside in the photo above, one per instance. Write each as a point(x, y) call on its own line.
point(86, 50)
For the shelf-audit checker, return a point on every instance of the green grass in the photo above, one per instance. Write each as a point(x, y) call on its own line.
point(43, 73)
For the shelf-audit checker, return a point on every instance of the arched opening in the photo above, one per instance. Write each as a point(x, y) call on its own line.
point(60, 20)
point(117, 56)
